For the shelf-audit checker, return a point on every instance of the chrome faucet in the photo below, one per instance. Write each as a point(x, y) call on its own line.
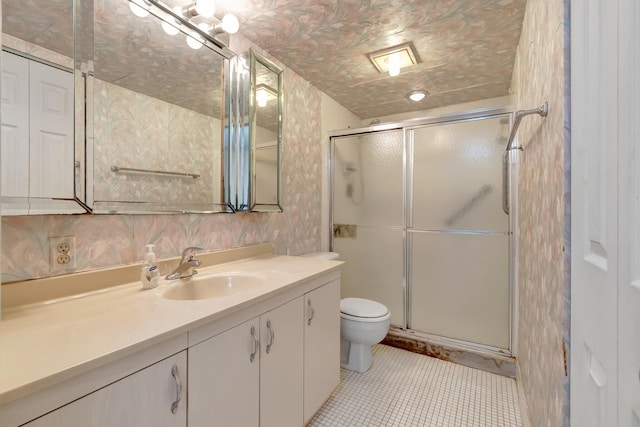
point(187, 265)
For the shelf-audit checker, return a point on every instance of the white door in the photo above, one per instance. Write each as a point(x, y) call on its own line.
point(224, 378)
point(629, 215)
point(594, 245)
point(281, 361)
point(605, 288)
point(15, 126)
point(51, 135)
point(155, 396)
point(321, 346)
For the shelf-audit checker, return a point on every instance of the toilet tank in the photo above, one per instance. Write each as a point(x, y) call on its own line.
point(322, 255)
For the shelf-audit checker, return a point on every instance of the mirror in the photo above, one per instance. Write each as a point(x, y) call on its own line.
point(265, 134)
point(42, 157)
point(154, 134)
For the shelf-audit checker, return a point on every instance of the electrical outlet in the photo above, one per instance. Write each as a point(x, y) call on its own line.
point(62, 253)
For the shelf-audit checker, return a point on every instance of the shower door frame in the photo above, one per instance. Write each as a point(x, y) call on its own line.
point(406, 127)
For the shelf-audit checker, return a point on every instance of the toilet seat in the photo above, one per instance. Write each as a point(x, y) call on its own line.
point(363, 310)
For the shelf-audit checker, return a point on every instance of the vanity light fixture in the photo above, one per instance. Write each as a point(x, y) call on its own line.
point(170, 25)
point(264, 94)
point(179, 18)
point(139, 8)
point(392, 59)
point(204, 8)
point(417, 95)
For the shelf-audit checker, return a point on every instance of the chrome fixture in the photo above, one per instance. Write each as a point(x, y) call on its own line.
point(187, 265)
point(179, 19)
point(543, 110)
point(117, 169)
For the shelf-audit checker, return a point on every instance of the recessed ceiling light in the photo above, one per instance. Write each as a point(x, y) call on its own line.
point(394, 58)
point(417, 95)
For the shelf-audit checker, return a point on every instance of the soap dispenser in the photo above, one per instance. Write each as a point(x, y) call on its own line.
point(149, 275)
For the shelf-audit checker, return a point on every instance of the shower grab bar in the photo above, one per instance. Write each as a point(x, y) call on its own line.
point(542, 111)
point(155, 172)
point(505, 181)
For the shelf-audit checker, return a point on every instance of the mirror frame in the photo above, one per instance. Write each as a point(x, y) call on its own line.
point(119, 207)
point(256, 58)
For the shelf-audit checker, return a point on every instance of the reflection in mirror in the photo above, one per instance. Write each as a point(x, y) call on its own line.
point(157, 116)
point(42, 171)
point(265, 134)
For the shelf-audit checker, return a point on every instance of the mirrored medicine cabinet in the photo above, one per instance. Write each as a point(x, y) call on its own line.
point(132, 119)
point(258, 152)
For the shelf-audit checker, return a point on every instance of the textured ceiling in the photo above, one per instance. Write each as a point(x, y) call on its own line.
point(466, 47)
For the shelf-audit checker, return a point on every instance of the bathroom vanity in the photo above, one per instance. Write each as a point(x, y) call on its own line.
point(261, 352)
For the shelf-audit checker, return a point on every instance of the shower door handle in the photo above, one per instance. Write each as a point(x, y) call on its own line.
point(505, 182)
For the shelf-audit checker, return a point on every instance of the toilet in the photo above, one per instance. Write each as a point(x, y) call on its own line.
point(363, 323)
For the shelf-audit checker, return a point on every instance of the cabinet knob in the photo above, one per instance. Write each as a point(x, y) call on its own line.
point(310, 312)
point(256, 344)
point(176, 377)
point(272, 336)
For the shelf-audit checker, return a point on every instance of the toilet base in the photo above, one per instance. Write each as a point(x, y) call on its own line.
point(355, 357)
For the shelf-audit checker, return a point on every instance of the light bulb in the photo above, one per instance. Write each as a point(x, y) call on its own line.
point(230, 23)
point(171, 25)
point(262, 97)
point(394, 64)
point(139, 8)
point(194, 41)
point(205, 8)
point(417, 95)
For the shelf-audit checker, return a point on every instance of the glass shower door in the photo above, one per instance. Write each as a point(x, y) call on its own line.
point(368, 212)
point(458, 232)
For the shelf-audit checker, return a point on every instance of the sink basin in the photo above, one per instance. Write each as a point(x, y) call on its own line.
point(213, 286)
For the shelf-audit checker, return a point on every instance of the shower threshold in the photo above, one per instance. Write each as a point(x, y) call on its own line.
point(473, 356)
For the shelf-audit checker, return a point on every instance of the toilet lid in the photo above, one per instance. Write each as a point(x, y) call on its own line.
point(360, 307)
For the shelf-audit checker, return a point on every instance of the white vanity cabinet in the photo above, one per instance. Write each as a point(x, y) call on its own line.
point(154, 396)
point(321, 346)
point(250, 375)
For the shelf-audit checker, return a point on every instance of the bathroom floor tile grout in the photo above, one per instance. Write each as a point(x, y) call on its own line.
point(407, 389)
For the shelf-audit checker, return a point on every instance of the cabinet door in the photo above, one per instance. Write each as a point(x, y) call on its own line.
point(224, 378)
point(145, 398)
point(281, 366)
point(321, 346)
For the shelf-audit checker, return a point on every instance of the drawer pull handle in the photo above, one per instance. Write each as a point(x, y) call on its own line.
point(272, 336)
point(176, 377)
point(311, 311)
point(256, 344)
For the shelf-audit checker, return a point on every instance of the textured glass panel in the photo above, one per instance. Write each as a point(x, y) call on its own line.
point(460, 287)
point(457, 176)
point(367, 179)
point(373, 268)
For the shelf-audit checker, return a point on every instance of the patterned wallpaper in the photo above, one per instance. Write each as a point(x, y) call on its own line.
point(542, 272)
point(109, 240)
point(136, 131)
point(466, 47)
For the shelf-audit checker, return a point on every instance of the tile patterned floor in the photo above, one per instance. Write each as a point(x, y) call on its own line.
point(405, 389)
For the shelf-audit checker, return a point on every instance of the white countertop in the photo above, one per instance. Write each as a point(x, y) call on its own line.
point(48, 342)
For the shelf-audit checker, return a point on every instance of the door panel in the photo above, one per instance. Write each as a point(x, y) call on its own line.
point(460, 287)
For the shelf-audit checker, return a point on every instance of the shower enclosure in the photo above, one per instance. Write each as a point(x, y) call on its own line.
point(420, 214)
